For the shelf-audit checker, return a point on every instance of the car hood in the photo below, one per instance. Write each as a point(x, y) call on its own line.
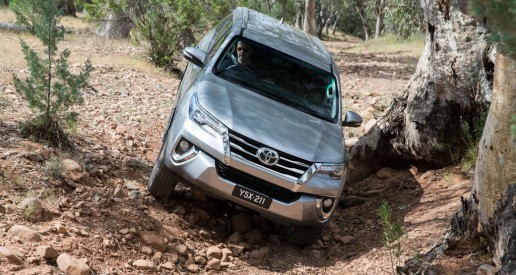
point(271, 123)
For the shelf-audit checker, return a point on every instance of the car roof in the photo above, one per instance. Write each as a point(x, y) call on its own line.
point(285, 38)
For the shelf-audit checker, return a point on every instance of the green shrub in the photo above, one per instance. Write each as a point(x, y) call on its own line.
point(51, 89)
point(392, 235)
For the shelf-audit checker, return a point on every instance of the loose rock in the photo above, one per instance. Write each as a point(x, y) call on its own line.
point(24, 233)
point(71, 265)
point(154, 240)
point(143, 264)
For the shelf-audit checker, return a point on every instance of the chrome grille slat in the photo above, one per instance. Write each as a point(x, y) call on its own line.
point(243, 141)
point(287, 166)
point(295, 162)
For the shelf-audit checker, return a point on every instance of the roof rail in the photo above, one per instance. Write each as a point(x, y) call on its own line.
point(245, 17)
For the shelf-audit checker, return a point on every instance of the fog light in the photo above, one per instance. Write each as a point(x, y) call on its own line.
point(183, 146)
point(184, 151)
point(327, 204)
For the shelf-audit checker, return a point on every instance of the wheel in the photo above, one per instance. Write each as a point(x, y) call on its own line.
point(240, 70)
point(303, 235)
point(162, 181)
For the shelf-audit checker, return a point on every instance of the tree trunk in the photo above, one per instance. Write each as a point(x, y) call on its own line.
point(309, 22)
point(115, 27)
point(68, 7)
point(379, 18)
point(493, 194)
point(361, 12)
point(299, 17)
point(432, 122)
point(334, 28)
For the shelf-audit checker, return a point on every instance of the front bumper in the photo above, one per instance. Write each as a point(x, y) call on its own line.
point(201, 171)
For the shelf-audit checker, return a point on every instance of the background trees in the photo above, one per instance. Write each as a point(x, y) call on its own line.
point(165, 30)
point(494, 188)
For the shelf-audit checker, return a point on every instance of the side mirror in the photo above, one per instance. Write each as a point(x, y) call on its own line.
point(195, 55)
point(352, 119)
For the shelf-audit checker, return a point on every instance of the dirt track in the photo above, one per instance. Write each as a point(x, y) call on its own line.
point(102, 212)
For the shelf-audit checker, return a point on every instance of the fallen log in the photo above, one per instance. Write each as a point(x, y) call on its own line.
point(13, 27)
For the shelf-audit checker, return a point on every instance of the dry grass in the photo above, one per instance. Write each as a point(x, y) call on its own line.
point(390, 44)
point(100, 51)
point(7, 16)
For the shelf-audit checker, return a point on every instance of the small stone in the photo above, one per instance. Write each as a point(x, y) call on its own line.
point(131, 185)
point(143, 264)
point(213, 264)
point(487, 270)
point(344, 239)
point(10, 255)
point(235, 238)
point(32, 260)
point(253, 237)
point(237, 249)
point(241, 223)
point(47, 252)
point(205, 234)
point(182, 249)
point(384, 173)
point(24, 233)
point(260, 253)
point(119, 192)
point(200, 260)
point(60, 228)
point(193, 268)
point(71, 165)
point(179, 210)
point(226, 254)
point(146, 250)
point(316, 254)
point(71, 265)
point(214, 252)
point(168, 266)
point(32, 208)
point(135, 194)
point(154, 240)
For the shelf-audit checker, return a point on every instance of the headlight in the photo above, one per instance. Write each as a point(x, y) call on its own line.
point(204, 118)
point(335, 171)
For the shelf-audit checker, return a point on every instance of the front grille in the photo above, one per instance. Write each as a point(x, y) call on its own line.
point(289, 166)
point(256, 184)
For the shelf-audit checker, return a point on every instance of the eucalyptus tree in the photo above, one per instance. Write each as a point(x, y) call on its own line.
point(493, 195)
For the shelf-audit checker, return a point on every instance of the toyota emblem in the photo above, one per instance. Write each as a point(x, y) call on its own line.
point(267, 156)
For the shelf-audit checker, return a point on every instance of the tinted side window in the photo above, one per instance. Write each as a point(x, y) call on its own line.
point(221, 32)
point(205, 41)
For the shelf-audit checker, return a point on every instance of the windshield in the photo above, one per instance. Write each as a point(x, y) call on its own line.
point(279, 76)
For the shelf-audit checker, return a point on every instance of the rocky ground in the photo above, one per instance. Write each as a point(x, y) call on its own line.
point(87, 211)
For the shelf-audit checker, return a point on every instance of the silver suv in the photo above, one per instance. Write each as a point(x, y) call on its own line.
point(258, 122)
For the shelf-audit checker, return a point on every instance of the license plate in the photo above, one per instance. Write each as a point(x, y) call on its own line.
point(252, 196)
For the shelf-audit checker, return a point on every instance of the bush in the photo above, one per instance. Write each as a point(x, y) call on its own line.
point(51, 89)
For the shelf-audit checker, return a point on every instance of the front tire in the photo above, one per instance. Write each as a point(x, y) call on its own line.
point(162, 181)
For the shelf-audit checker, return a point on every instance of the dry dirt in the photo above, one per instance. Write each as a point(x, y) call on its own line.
point(100, 211)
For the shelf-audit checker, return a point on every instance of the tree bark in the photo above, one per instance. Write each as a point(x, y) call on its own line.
point(113, 26)
point(309, 22)
point(361, 12)
point(433, 121)
point(68, 7)
point(379, 18)
point(334, 27)
point(493, 192)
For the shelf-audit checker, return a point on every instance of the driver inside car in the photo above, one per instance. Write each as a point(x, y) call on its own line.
point(243, 65)
point(244, 53)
